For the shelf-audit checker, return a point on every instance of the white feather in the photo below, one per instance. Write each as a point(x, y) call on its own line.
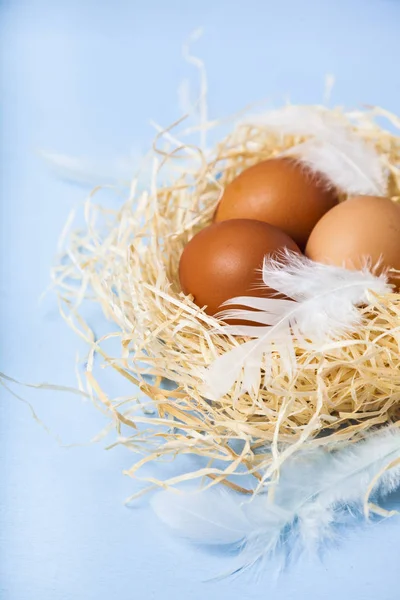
point(316, 491)
point(83, 171)
point(324, 307)
point(332, 148)
point(294, 120)
point(215, 518)
point(346, 161)
point(114, 171)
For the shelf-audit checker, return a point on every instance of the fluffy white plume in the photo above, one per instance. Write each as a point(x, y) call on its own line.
point(323, 307)
point(316, 491)
point(333, 149)
point(346, 161)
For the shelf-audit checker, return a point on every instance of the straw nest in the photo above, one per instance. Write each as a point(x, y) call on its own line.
point(126, 259)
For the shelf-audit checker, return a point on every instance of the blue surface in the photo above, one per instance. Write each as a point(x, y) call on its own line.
point(84, 79)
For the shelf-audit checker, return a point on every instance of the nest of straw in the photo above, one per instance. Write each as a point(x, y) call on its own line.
point(127, 261)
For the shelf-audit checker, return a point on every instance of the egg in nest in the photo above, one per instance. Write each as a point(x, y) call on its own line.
point(224, 261)
point(362, 230)
point(282, 192)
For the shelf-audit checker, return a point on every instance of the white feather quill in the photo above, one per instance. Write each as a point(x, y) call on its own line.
point(333, 149)
point(316, 491)
point(323, 307)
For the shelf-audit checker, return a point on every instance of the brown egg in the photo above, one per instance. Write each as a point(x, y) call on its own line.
point(359, 228)
point(281, 192)
point(225, 259)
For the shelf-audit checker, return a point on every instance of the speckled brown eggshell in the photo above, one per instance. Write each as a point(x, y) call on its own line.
point(224, 261)
point(362, 227)
point(282, 192)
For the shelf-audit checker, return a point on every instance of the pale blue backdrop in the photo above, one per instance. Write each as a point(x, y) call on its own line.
point(84, 78)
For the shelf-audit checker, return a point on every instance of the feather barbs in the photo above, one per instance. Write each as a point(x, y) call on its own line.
point(322, 306)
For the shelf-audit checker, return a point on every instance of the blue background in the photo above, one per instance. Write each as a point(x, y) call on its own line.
point(84, 78)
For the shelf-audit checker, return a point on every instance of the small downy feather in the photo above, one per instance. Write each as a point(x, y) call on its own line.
point(323, 307)
point(82, 171)
point(333, 149)
point(114, 172)
point(317, 490)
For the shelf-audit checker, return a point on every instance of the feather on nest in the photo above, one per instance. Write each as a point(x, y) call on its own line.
point(323, 308)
